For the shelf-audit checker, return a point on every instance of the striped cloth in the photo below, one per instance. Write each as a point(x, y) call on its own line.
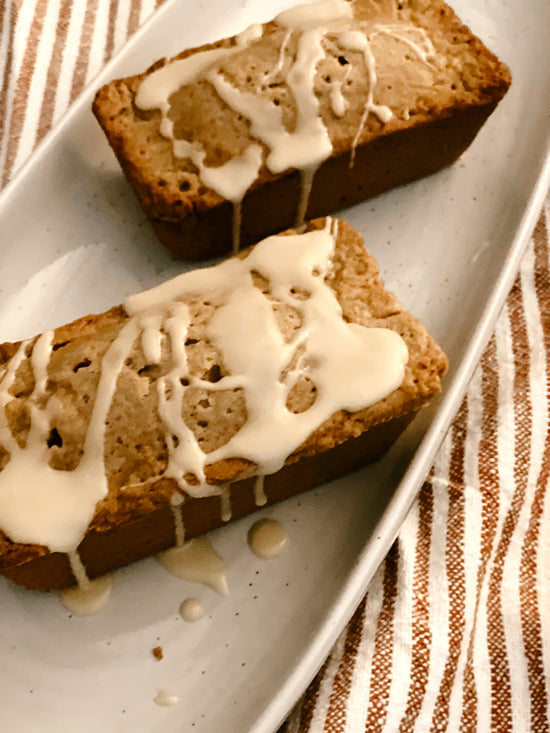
point(454, 632)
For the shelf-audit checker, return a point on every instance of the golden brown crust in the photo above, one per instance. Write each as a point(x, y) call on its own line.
point(135, 443)
point(437, 113)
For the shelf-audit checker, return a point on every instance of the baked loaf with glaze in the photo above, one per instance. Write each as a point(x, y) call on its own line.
point(152, 403)
point(395, 93)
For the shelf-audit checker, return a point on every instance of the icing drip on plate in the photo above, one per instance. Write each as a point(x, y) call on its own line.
point(191, 610)
point(198, 562)
point(267, 539)
point(165, 698)
point(88, 596)
point(280, 146)
point(88, 599)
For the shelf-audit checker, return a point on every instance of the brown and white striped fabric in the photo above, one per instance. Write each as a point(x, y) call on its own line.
point(454, 632)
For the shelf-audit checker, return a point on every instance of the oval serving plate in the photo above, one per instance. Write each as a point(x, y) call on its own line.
point(74, 241)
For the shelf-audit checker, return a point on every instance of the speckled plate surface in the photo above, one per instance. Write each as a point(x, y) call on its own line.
point(74, 241)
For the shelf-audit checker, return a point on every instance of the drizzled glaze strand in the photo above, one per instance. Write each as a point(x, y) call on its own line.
point(89, 596)
point(176, 503)
point(225, 504)
point(260, 499)
point(423, 48)
point(78, 570)
point(354, 41)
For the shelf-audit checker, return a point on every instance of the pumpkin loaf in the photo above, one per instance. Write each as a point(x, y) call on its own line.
point(325, 106)
point(221, 390)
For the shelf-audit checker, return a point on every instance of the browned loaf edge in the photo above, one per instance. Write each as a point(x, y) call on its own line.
point(135, 520)
point(431, 127)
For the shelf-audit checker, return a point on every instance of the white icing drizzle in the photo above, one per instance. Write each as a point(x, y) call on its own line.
point(338, 103)
point(78, 569)
point(88, 596)
point(151, 338)
point(351, 367)
point(260, 499)
point(39, 362)
point(267, 539)
point(423, 49)
point(356, 41)
point(41, 505)
point(307, 145)
point(6, 382)
point(176, 503)
point(231, 180)
point(198, 562)
point(185, 455)
point(225, 504)
point(252, 33)
point(40, 415)
point(165, 698)
point(273, 73)
point(155, 90)
point(191, 610)
point(340, 354)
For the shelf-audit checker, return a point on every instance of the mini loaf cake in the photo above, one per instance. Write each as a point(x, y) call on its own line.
point(325, 106)
point(226, 388)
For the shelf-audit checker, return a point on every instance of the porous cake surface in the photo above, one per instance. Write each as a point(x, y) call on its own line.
point(319, 82)
point(125, 409)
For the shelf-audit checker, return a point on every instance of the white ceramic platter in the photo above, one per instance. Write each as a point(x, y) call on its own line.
point(73, 241)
